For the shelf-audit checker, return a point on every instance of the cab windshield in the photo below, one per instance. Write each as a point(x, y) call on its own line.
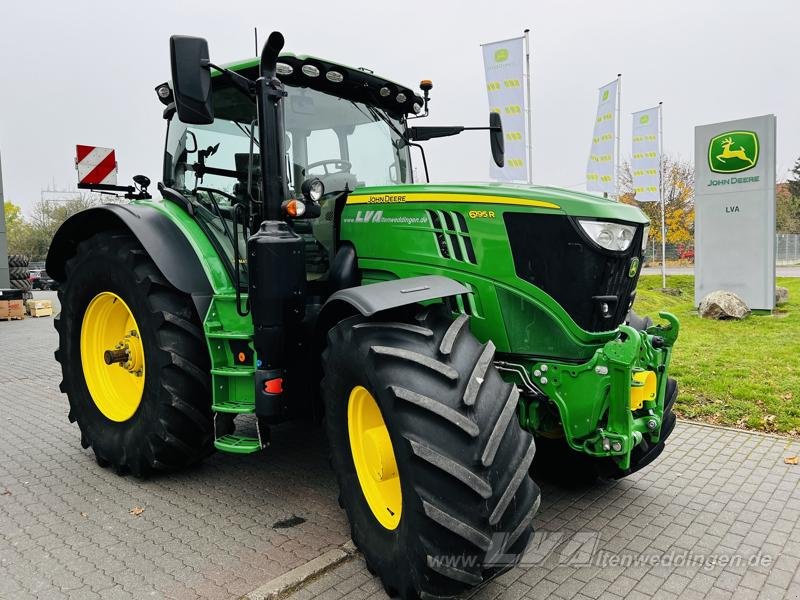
point(346, 144)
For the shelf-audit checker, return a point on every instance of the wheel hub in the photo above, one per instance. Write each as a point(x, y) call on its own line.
point(127, 353)
point(112, 356)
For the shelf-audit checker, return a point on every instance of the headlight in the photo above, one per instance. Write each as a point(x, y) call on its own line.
point(611, 236)
point(313, 189)
point(645, 235)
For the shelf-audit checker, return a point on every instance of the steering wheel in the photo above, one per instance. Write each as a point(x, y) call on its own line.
point(344, 166)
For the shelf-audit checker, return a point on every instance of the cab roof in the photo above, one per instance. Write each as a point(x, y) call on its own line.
point(357, 84)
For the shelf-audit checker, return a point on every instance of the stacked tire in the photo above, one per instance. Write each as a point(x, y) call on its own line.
point(19, 273)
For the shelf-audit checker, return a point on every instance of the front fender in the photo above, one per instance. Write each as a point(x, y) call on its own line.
point(373, 298)
point(165, 243)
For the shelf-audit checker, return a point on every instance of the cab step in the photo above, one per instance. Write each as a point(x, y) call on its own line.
point(220, 334)
point(237, 444)
point(236, 407)
point(237, 371)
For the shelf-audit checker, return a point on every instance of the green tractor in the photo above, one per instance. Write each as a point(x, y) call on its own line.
point(292, 269)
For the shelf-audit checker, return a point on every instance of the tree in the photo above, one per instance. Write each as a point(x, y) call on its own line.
point(32, 236)
point(18, 230)
point(794, 182)
point(677, 178)
point(787, 209)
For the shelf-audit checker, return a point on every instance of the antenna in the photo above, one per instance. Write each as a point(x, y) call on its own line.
point(255, 34)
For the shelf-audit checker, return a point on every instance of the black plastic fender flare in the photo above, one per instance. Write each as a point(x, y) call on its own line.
point(376, 297)
point(368, 300)
point(167, 246)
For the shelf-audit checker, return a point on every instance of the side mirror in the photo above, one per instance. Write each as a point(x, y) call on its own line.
point(496, 139)
point(191, 79)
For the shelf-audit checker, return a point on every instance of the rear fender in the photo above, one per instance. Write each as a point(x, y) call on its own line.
point(165, 243)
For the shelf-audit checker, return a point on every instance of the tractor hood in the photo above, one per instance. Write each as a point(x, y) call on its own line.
point(527, 252)
point(572, 203)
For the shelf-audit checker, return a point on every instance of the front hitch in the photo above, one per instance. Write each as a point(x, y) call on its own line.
point(614, 403)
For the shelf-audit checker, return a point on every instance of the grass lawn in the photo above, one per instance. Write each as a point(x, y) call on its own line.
point(738, 373)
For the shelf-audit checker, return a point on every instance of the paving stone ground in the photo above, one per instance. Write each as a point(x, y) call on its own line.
point(716, 517)
point(65, 526)
point(66, 530)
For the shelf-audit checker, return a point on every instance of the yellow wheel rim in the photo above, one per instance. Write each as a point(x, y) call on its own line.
point(112, 356)
point(373, 456)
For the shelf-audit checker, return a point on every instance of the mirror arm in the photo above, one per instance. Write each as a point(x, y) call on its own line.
point(240, 81)
point(422, 134)
point(428, 133)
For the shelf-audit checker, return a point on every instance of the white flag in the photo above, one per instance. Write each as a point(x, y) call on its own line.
point(600, 169)
point(645, 155)
point(504, 64)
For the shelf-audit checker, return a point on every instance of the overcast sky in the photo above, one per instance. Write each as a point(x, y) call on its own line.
point(84, 72)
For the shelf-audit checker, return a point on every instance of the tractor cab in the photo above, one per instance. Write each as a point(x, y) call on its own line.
point(344, 129)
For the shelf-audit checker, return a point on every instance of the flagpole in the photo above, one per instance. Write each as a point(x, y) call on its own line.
point(616, 158)
point(528, 108)
point(661, 195)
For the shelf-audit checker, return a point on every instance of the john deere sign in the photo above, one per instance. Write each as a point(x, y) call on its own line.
point(733, 152)
point(735, 210)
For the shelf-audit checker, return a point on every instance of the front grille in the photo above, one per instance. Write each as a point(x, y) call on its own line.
point(553, 254)
point(452, 236)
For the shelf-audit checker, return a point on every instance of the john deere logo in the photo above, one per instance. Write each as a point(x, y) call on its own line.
point(634, 268)
point(501, 55)
point(605, 95)
point(733, 152)
point(644, 119)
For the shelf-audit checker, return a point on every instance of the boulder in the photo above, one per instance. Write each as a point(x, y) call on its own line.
point(723, 305)
point(781, 295)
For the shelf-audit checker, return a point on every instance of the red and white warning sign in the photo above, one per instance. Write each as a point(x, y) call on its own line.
point(96, 165)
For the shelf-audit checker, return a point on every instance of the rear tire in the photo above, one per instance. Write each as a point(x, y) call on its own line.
point(172, 426)
point(461, 457)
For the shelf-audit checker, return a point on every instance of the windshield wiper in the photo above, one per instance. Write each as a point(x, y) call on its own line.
point(383, 117)
point(247, 133)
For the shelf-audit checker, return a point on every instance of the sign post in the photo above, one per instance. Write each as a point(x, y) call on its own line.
point(735, 210)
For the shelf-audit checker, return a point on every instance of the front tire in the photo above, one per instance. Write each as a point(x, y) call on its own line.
point(460, 460)
point(153, 411)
